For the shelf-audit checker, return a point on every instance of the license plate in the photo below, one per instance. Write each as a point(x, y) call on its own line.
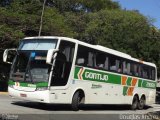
point(23, 95)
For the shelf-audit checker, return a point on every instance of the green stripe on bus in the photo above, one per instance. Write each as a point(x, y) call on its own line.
point(10, 82)
point(99, 76)
point(76, 72)
point(102, 76)
point(139, 83)
point(24, 84)
point(125, 88)
point(129, 80)
point(148, 84)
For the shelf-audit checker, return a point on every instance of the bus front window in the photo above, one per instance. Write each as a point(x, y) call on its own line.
point(38, 44)
point(30, 63)
point(30, 66)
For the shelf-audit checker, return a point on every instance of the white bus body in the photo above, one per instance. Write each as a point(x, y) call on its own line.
point(79, 73)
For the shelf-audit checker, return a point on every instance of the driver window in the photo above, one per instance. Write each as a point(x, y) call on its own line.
point(63, 63)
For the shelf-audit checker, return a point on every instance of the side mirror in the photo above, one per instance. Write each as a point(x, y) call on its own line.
point(9, 55)
point(50, 55)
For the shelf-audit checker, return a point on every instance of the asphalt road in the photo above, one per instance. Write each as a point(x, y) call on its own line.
point(23, 110)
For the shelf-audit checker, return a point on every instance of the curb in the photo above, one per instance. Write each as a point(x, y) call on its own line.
point(3, 93)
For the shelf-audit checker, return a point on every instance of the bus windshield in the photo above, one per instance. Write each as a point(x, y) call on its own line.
point(38, 44)
point(30, 63)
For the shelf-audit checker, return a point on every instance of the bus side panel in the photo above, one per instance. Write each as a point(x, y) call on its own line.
point(105, 93)
point(147, 92)
point(60, 96)
point(101, 93)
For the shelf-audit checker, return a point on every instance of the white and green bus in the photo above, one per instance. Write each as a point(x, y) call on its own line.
point(61, 70)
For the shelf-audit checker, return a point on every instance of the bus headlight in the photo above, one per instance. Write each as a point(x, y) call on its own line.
point(41, 88)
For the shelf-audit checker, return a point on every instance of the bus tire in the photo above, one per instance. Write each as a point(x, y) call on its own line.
point(134, 104)
point(141, 103)
point(76, 101)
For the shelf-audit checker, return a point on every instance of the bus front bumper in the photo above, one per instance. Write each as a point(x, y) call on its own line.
point(37, 96)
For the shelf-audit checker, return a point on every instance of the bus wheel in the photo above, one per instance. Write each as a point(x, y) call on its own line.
point(134, 103)
point(76, 100)
point(141, 103)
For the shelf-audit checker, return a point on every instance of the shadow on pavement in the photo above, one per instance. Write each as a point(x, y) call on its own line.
point(64, 107)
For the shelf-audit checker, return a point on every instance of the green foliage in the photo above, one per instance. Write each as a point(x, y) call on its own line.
point(117, 29)
point(55, 26)
point(94, 21)
point(82, 5)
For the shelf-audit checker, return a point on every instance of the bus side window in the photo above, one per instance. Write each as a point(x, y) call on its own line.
point(136, 70)
point(112, 63)
point(145, 72)
point(118, 66)
point(106, 64)
point(129, 68)
point(140, 71)
point(81, 56)
point(85, 56)
point(80, 61)
point(101, 61)
point(126, 67)
point(63, 63)
point(132, 72)
point(153, 74)
point(115, 64)
point(90, 59)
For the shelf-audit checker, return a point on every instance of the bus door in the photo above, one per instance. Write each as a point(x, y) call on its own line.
point(63, 64)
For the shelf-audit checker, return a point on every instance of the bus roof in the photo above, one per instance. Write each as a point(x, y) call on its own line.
point(98, 47)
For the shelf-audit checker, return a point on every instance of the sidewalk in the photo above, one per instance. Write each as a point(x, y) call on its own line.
point(3, 93)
